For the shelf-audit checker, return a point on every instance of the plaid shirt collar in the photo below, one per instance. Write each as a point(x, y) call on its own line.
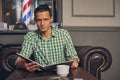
point(53, 33)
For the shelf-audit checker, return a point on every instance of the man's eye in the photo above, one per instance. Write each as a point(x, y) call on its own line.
point(38, 20)
point(45, 19)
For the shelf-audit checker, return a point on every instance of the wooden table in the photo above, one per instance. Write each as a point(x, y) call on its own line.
point(75, 74)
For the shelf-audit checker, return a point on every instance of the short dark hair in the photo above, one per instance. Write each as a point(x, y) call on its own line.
point(41, 8)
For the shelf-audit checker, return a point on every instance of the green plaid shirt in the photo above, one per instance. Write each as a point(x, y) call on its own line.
point(56, 49)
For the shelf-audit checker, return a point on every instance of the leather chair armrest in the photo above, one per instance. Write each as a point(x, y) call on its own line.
point(8, 57)
point(94, 59)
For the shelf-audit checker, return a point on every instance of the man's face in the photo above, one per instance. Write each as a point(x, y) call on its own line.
point(43, 21)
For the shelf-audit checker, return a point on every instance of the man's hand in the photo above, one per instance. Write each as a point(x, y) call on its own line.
point(75, 63)
point(31, 66)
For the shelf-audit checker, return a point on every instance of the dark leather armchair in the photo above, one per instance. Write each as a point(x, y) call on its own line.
point(92, 59)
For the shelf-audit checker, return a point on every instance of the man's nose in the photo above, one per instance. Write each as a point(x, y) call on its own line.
point(42, 22)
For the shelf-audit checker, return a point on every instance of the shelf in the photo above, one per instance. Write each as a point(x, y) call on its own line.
point(13, 32)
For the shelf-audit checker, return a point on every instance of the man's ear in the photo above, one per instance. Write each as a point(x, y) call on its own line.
point(34, 20)
point(51, 19)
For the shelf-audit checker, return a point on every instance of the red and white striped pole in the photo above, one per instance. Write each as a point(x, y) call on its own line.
point(26, 11)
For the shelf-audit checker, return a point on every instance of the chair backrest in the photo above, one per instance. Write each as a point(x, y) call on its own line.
point(94, 59)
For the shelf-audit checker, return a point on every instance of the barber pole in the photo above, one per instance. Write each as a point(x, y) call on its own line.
point(26, 12)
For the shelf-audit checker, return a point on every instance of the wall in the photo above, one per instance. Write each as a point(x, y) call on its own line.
point(0, 10)
point(11, 38)
point(97, 23)
point(91, 13)
point(107, 39)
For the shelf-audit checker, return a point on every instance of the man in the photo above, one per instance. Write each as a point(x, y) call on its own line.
point(48, 45)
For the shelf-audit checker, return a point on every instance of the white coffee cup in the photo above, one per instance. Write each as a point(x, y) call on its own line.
point(63, 70)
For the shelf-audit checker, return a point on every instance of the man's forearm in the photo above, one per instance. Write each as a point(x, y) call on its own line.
point(21, 63)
